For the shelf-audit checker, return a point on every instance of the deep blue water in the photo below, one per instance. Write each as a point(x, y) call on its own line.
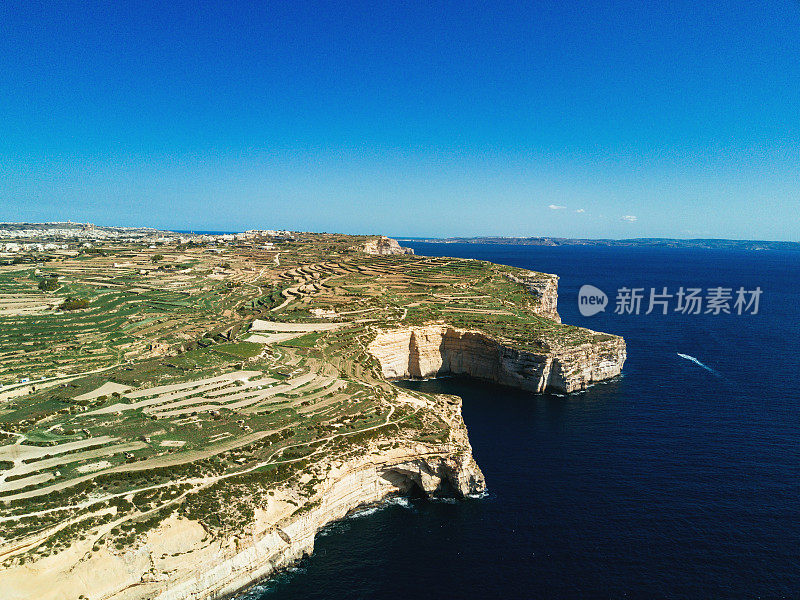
point(672, 481)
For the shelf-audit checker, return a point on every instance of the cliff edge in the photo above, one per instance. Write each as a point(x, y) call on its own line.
point(439, 349)
point(253, 405)
point(537, 356)
point(182, 559)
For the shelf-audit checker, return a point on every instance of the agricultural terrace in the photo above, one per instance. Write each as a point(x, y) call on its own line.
point(143, 381)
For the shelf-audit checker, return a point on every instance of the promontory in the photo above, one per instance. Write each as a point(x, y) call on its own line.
point(180, 414)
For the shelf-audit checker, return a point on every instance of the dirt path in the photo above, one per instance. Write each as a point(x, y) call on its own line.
point(201, 481)
point(49, 380)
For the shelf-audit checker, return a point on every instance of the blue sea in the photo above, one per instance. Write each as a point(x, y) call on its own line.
point(679, 479)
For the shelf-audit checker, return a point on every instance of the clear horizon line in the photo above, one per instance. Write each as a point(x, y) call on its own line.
point(416, 237)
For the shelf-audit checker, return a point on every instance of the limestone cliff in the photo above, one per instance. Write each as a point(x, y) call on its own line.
point(440, 349)
point(421, 445)
point(180, 560)
point(361, 482)
point(543, 287)
point(385, 245)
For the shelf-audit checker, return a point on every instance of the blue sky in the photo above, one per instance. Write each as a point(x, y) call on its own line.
point(599, 119)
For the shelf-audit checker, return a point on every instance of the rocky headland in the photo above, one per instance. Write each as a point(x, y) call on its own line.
point(439, 349)
point(191, 473)
point(383, 246)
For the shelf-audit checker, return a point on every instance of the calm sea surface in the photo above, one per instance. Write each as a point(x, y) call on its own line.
point(677, 480)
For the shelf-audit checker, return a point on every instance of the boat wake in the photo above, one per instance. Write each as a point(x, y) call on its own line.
point(698, 363)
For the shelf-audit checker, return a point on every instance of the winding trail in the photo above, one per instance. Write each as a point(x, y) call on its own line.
point(202, 482)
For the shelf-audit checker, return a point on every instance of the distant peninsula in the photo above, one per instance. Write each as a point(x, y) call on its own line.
point(706, 243)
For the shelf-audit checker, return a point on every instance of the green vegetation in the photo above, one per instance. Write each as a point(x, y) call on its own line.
point(150, 391)
point(240, 349)
point(48, 284)
point(304, 341)
point(71, 303)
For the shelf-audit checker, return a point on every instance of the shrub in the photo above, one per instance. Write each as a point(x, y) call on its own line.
point(71, 303)
point(48, 284)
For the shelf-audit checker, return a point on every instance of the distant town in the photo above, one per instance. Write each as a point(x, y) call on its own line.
point(70, 239)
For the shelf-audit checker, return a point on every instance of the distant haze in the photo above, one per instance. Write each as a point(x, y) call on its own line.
point(563, 119)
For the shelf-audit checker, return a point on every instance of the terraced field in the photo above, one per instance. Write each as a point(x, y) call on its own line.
point(190, 366)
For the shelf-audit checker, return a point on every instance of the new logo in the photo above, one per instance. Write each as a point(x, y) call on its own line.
point(591, 300)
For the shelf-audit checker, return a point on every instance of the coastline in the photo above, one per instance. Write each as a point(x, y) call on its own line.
point(411, 444)
point(198, 567)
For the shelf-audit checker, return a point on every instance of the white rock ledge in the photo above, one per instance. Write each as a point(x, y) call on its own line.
point(438, 349)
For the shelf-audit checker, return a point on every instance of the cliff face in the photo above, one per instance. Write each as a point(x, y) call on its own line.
point(385, 245)
point(543, 287)
point(362, 482)
point(179, 560)
point(440, 349)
